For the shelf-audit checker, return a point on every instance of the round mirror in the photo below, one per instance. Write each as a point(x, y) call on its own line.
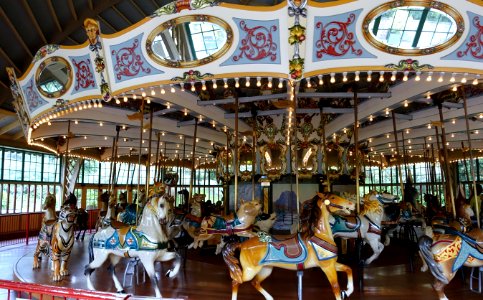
point(417, 29)
point(189, 41)
point(54, 77)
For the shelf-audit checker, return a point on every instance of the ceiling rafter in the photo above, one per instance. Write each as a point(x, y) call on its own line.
point(8, 60)
point(107, 23)
point(74, 25)
point(9, 127)
point(54, 15)
point(18, 135)
point(4, 84)
point(72, 40)
point(15, 32)
point(121, 15)
point(137, 8)
point(72, 9)
point(91, 6)
point(34, 20)
point(155, 4)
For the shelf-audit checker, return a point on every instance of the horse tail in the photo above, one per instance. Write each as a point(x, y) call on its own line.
point(91, 248)
point(424, 244)
point(232, 262)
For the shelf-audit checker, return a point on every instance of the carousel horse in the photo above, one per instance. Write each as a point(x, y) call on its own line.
point(446, 253)
point(313, 247)
point(240, 224)
point(367, 225)
point(148, 242)
point(263, 223)
point(45, 234)
point(82, 223)
point(192, 221)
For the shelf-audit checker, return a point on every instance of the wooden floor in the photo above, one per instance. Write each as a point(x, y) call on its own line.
point(206, 277)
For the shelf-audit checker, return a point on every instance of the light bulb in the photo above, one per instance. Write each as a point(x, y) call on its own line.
point(237, 82)
point(393, 76)
point(321, 82)
point(369, 76)
point(332, 77)
point(430, 76)
point(418, 76)
point(143, 93)
point(381, 76)
point(357, 78)
point(440, 79)
point(153, 93)
point(215, 86)
point(193, 87)
point(247, 81)
point(344, 76)
point(172, 88)
point(269, 82)
point(259, 81)
point(452, 79)
point(280, 83)
point(163, 91)
point(203, 85)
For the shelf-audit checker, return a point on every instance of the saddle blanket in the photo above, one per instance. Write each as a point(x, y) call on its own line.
point(128, 238)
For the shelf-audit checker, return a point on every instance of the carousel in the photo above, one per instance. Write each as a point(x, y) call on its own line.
point(294, 107)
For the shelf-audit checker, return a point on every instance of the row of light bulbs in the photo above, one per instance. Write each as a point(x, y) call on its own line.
point(68, 108)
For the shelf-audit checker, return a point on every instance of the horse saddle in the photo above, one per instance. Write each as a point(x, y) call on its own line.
point(345, 224)
point(218, 224)
point(285, 249)
point(477, 235)
point(193, 218)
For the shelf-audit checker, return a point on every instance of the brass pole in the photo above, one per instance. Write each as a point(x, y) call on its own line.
point(139, 158)
point(193, 162)
point(449, 181)
point(157, 166)
point(236, 158)
point(254, 142)
point(398, 157)
point(470, 148)
point(113, 158)
point(324, 149)
point(148, 160)
point(356, 150)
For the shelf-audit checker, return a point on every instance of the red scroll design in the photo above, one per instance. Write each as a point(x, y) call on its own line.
point(128, 62)
point(475, 45)
point(336, 39)
point(83, 75)
point(258, 43)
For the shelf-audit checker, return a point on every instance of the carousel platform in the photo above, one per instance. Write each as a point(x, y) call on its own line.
point(205, 277)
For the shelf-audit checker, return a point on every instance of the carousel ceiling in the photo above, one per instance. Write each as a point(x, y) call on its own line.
point(391, 76)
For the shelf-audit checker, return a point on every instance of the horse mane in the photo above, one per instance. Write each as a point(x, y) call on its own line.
point(309, 216)
point(104, 197)
point(371, 206)
point(71, 200)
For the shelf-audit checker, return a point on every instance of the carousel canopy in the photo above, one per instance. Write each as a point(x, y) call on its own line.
point(403, 70)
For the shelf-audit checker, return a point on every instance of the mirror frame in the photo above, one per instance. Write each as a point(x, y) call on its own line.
point(44, 65)
point(193, 18)
point(416, 52)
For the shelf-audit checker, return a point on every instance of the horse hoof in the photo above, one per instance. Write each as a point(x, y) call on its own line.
point(343, 295)
point(121, 292)
point(167, 273)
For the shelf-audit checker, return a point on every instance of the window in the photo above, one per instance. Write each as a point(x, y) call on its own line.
point(33, 167)
point(207, 38)
point(91, 172)
point(92, 196)
point(51, 172)
point(105, 172)
point(12, 165)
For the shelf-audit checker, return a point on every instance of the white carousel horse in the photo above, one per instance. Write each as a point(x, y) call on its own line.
point(148, 242)
point(367, 225)
point(240, 225)
point(45, 234)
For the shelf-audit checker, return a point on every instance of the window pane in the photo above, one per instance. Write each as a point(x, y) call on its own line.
point(91, 171)
point(33, 167)
point(51, 168)
point(13, 165)
point(91, 198)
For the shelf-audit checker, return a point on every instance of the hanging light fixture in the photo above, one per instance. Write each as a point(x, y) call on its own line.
point(369, 76)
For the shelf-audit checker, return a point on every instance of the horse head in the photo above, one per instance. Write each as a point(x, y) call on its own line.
point(337, 204)
point(104, 197)
point(249, 208)
point(68, 213)
point(198, 198)
point(158, 206)
point(372, 208)
point(49, 202)
point(71, 200)
point(123, 197)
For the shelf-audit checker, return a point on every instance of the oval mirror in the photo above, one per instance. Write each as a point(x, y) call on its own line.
point(189, 41)
point(413, 28)
point(54, 77)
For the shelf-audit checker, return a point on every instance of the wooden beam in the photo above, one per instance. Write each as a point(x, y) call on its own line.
point(155, 4)
point(7, 112)
point(107, 23)
point(15, 32)
point(121, 15)
point(4, 85)
point(72, 9)
point(74, 25)
point(18, 135)
point(137, 8)
point(54, 15)
point(27, 8)
point(91, 6)
point(9, 127)
point(8, 60)
point(72, 40)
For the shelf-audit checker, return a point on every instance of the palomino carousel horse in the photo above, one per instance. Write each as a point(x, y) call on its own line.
point(313, 247)
point(241, 224)
point(148, 242)
point(192, 221)
point(366, 226)
point(45, 234)
point(448, 252)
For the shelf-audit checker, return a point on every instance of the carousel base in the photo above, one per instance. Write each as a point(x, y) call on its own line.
point(205, 276)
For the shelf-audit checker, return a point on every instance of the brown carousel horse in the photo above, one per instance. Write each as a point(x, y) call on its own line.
point(313, 247)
